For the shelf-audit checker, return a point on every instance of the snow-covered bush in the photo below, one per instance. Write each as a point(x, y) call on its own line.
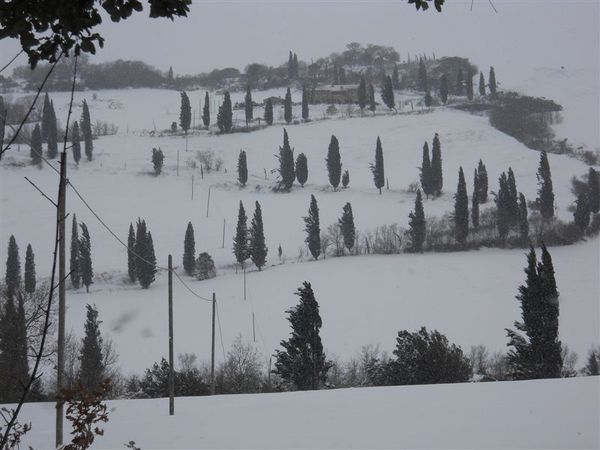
point(205, 267)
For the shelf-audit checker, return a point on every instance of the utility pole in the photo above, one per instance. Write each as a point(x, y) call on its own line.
point(171, 362)
point(62, 197)
point(212, 351)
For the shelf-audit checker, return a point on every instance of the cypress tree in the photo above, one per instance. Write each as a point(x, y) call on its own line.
point(482, 181)
point(514, 198)
point(416, 225)
point(426, 178)
point(206, 111)
point(492, 82)
point(140, 247)
point(13, 268)
point(248, 106)
point(301, 169)
point(46, 118)
point(591, 368)
point(92, 369)
point(14, 366)
point(436, 166)
point(387, 93)
point(523, 222)
point(258, 249)
point(475, 209)
point(52, 133)
point(185, 112)
point(461, 210)
point(29, 270)
point(334, 163)
point(345, 179)
point(296, 68)
point(362, 94)
point(444, 88)
point(148, 264)
point(242, 168)
point(371, 98)
point(581, 216)
point(131, 258)
point(76, 143)
point(503, 206)
point(481, 84)
point(422, 78)
point(459, 83)
point(225, 116)
point(269, 111)
point(36, 146)
point(189, 250)
point(545, 198)
point(346, 224)
point(469, 84)
point(304, 102)
point(428, 100)
point(287, 173)
point(302, 361)
point(476, 187)
point(85, 257)
point(157, 160)
point(395, 77)
point(3, 114)
point(74, 261)
point(313, 229)
point(240, 240)
point(593, 190)
point(377, 167)
point(287, 106)
point(170, 75)
point(290, 66)
point(86, 129)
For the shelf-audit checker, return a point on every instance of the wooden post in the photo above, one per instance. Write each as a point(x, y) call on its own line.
point(212, 351)
point(208, 202)
point(223, 244)
point(171, 362)
point(244, 283)
point(186, 141)
point(60, 369)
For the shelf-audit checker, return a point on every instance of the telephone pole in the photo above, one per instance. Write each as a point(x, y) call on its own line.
point(171, 362)
point(212, 351)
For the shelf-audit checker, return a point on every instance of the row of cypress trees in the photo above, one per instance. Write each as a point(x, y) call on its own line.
point(141, 259)
point(81, 256)
point(185, 112)
point(250, 243)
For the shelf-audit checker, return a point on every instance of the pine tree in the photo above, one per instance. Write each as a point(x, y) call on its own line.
point(371, 98)
point(248, 106)
point(395, 78)
point(377, 167)
point(287, 173)
point(387, 93)
point(416, 224)
point(225, 115)
point(461, 210)
point(301, 169)
point(76, 143)
point(242, 168)
point(481, 84)
point(593, 190)
point(269, 111)
point(36, 146)
point(514, 198)
point(189, 250)
point(422, 78)
point(444, 88)
point(426, 176)
point(482, 181)
point(13, 268)
point(503, 207)
point(290, 66)
point(287, 106)
point(46, 118)
point(469, 84)
point(240, 240)
point(52, 133)
point(148, 264)
point(428, 100)
point(436, 166)
point(74, 267)
point(362, 94)
point(86, 129)
point(459, 83)
point(131, 258)
point(475, 209)
point(345, 179)
point(523, 222)
point(313, 229)
point(29, 270)
point(206, 111)
point(581, 216)
point(346, 224)
point(92, 369)
point(334, 163)
point(304, 102)
point(545, 198)
point(302, 361)
point(85, 257)
point(258, 249)
point(492, 82)
point(185, 112)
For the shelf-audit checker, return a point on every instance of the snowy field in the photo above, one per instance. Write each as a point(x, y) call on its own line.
point(527, 414)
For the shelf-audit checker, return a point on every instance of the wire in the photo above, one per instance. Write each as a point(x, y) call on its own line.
point(190, 289)
point(220, 332)
point(11, 61)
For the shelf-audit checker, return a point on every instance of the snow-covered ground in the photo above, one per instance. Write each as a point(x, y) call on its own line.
point(546, 414)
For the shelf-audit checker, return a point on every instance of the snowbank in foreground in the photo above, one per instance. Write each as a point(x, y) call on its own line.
point(560, 413)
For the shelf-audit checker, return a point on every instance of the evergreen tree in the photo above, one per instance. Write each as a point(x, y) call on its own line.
point(437, 178)
point(482, 181)
point(240, 240)
point(459, 83)
point(242, 168)
point(14, 367)
point(461, 210)
point(345, 179)
point(248, 106)
point(86, 129)
point(302, 361)
point(593, 190)
point(469, 84)
point(76, 143)
point(481, 84)
point(581, 216)
point(304, 102)
point(591, 368)
point(422, 77)
point(346, 223)
point(74, 261)
point(334, 163)
point(296, 69)
point(395, 78)
point(206, 111)
point(46, 114)
point(52, 133)
point(342, 76)
point(514, 198)
point(475, 209)
point(258, 249)
point(290, 66)
point(287, 173)
point(140, 247)
point(85, 257)
point(492, 82)
point(301, 169)
point(545, 198)
point(185, 112)
point(387, 93)
point(523, 222)
point(170, 75)
point(313, 229)
point(92, 369)
point(362, 94)
point(371, 98)
point(36, 146)
point(131, 258)
point(3, 114)
point(269, 111)
point(29, 270)
point(13, 268)
point(426, 178)
point(225, 115)
point(157, 160)
point(377, 167)
point(428, 100)
point(287, 106)
point(444, 88)
point(503, 207)
point(148, 264)
point(416, 224)
point(189, 250)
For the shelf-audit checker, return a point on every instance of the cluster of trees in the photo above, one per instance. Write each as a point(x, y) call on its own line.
point(432, 180)
point(81, 272)
point(250, 243)
point(588, 200)
point(203, 267)
point(141, 259)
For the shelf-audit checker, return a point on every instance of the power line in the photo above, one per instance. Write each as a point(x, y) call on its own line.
point(220, 332)
point(11, 61)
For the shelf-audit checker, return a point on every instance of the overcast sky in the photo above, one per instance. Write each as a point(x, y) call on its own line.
point(216, 34)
